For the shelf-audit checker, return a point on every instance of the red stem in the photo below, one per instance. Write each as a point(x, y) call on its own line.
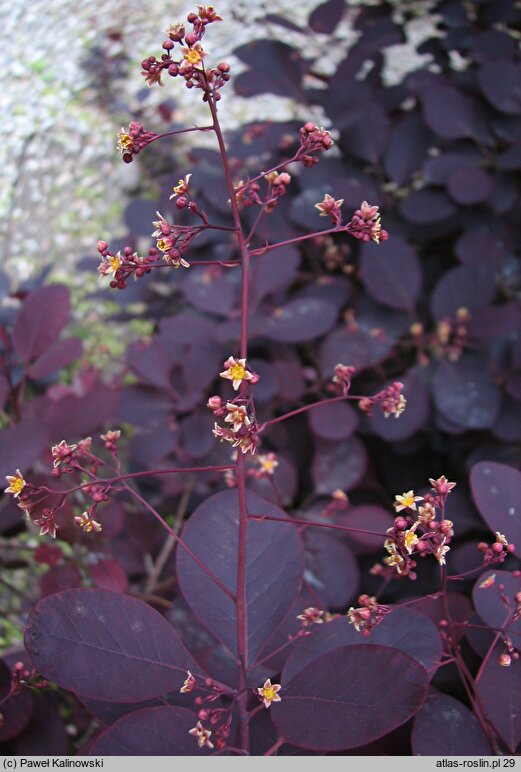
point(240, 593)
point(318, 525)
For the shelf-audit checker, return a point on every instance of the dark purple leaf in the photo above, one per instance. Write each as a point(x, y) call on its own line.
point(477, 247)
point(335, 421)
point(339, 465)
point(445, 727)
point(348, 698)
point(201, 363)
point(368, 517)
point(40, 320)
point(495, 322)
point(460, 609)
point(469, 186)
point(425, 207)
point(391, 273)
point(302, 208)
point(150, 363)
point(496, 489)
point(196, 434)
point(107, 646)
point(499, 689)
point(508, 424)
point(186, 328)
point(107, 574)
point(361, 345)
point(17, 710)
point(161, 731)
point(281, 487)
point(139, 216)
point(331, 574)
point(403, 629)
point(5, 388)
point(437, 169)
point(466, 286)
point(326, 16)
point(466, 393)
point(501, 84)
point(21, 445)
point(59, 355)
point(266, 57)
point(505, 193)
point(449, 113)
point(513, 386)
point(299, 320)
point(209, 290)
point(406, 149)
point(411, 420)
point(367, 145)
point(84, 414)
point(489, 604)
point(274, 271)
point(46, 735)
point(274, 567)
point(60, 578)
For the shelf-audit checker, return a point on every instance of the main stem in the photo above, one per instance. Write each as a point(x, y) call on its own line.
point(240, 593)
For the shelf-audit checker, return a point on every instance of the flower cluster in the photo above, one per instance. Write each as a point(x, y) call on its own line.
point(188, 62)
point(497, 552)
point(173, 240)
point(41, 504)
point(122, 265)
point(448, 340)
point(312, 140)
point(219, 718)
point(365, 224)
point(417, 531)
point(391, 401)
point(342, 378)
point(131, 141)
point(367, 616)
point(242, 432)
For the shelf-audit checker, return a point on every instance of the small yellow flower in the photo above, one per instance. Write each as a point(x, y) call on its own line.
point(328, 204)
point(488, 582)
point(410, 540)
point(189, 683)
point(125, 141)
point(16, 483)
point(440, 552)
point(236, 372)
point(87, 523)
point(268, 693)
point(237, 416)
point(203, 735)
point(193, 55)
point(406, 501)
point(267, 463)
point(181, 187)
point(501, 538)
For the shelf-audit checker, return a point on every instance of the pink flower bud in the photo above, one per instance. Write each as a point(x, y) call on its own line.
point(102, 246)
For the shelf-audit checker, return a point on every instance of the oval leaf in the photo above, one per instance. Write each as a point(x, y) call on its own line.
point(299, 320)
point(499, 689)
point(404, 629)
point(488, 600)
point(445, 727)
point(466, 393)
point(162, 731)
point(496, 489)
point(391, 273)
point(339, 465)
point(274, 567)
point(104, 645)
point(349, 697)
point(334, 421)
point(59, 355)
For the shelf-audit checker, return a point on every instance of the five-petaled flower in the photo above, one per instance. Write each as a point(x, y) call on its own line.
point(193, 55)
point(62, 452)
point(110, 265)
point(189, 683)
point(268, 693)
point(203, 735)
point(311, 616)
point(237, 416)
point(267, 463)
point(87, 523)
point(236, 372)
point(406, 501)
point(410, 539)
point(16, 483)
point(182, 187)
